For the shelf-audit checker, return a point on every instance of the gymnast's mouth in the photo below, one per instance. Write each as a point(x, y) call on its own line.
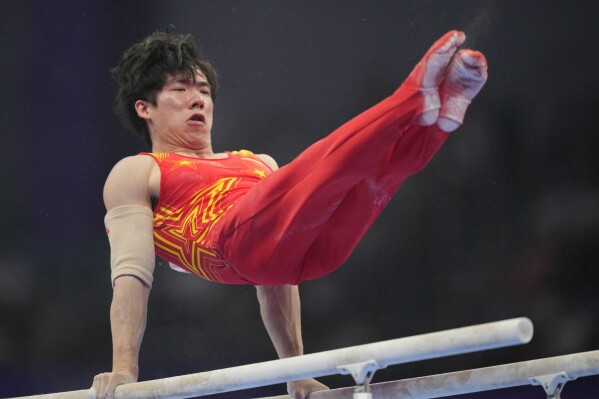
point(197, 118)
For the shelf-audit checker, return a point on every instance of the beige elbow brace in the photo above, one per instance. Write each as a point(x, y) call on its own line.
point(130, 230)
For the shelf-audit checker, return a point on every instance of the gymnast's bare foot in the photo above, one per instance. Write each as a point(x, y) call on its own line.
point(428, 73)
point(465, 77)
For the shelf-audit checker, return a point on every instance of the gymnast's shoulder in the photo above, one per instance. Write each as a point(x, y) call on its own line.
point(129, 182)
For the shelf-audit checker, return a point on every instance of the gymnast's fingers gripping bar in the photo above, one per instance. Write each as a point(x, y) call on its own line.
point(397, 351)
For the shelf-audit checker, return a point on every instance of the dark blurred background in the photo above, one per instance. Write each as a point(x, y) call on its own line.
point(504, 222)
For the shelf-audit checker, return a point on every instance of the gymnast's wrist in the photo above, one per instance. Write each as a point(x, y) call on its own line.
point(133, 371)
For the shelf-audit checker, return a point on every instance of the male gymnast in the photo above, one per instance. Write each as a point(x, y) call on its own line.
point(235, 217)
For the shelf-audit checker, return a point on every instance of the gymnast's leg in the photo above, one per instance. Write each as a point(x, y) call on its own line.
point(270, 235)
point(366, 200)
point(465, 77)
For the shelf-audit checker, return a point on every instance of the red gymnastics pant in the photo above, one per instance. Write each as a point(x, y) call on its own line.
point(304, 220)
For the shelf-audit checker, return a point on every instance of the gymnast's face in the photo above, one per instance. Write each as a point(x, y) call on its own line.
point(183, 112)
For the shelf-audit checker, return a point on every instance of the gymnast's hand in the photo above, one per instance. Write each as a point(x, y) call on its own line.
point(105, 383)
point(303, 388)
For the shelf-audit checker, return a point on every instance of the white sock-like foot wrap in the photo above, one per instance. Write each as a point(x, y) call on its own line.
point(431, 104)
point(431, 100)
point(454, 108)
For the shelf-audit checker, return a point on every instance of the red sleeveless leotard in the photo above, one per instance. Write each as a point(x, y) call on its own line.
point(195, 194)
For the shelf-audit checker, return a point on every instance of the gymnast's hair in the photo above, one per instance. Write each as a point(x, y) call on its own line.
point(142, 71)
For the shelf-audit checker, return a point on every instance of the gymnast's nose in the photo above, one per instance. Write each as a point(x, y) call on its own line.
point(197, 104)
point(197, 101)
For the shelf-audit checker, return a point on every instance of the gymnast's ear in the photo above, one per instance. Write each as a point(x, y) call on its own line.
point(143, 109)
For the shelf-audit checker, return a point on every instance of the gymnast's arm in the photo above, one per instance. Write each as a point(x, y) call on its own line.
point(129, 225)
point(280, 310)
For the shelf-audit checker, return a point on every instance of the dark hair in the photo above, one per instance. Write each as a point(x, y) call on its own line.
point(143, 68)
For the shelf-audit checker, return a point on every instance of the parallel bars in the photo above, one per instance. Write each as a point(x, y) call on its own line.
point(355, 360)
